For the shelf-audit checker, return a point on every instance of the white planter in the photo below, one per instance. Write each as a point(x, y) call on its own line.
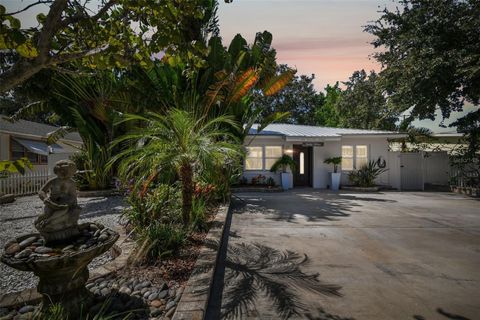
point(335, 181)
point(287, 180)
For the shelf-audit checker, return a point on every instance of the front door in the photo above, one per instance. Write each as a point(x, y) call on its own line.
point(303, 159)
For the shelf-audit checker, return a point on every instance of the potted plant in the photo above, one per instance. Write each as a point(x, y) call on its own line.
point(282, 164)
point(334, 176)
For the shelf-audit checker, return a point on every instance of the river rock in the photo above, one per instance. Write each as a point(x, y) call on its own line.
point(155, 312)
point(152, 296)
point(157, 303)
point(103, 237)
point(68, 248)
point(163, 294)
point(170, 305)
point(26, 309)
point(105, 291)
point(23, 254)
point(43, 250)
point(125, 290)
point(25, 243)
point(13, 248)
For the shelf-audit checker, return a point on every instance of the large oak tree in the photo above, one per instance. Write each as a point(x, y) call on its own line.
point(431, 55)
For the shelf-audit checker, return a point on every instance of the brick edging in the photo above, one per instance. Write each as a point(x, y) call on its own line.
point(194, 301)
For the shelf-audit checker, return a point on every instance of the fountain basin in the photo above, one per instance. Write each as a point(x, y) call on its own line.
point(62, 267)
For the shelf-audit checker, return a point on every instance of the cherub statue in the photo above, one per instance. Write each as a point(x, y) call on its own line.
point(59, 220)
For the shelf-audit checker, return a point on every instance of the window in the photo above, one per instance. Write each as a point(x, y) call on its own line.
point(302, 163)
point(272, 153)
point(254, 160)
point(354, 160)
point(347, 158)
point(19, 151)
point(361, 156)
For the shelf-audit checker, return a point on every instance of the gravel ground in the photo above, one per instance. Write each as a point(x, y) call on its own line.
point(17, 219)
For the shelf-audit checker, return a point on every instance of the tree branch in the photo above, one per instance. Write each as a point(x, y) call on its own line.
point(78, 17)
point(26, 8)
point(50, 27)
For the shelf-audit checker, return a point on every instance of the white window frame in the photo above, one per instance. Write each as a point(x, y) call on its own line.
point(270, 158)
point(356, 164)
point(354, 155)
point(263, 157)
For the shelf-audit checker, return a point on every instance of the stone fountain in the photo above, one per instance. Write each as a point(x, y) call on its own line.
point(60, 252)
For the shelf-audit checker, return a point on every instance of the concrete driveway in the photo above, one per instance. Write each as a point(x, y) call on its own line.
point(378, 256)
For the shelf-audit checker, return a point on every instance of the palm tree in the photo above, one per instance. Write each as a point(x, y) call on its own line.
point(178, 142)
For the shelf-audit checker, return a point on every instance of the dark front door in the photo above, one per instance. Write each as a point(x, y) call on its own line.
point(303, 159)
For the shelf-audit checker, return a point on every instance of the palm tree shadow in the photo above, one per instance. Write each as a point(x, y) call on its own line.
point(252, 270)
point(445, 314)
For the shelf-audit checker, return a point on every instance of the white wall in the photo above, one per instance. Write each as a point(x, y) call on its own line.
point(320, 169)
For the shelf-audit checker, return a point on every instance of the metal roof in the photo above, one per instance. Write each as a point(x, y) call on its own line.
point(293, 130)
point(33, 128)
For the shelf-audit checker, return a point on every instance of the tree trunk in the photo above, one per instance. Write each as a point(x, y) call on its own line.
point(186, 175)
point(17, 74)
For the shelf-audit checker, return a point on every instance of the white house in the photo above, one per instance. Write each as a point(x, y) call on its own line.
point(28, 139)
point(310, 146)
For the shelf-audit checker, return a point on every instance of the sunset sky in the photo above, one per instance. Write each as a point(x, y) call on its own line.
point(323, 37)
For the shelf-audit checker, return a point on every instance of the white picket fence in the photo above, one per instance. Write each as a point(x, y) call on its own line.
point(20, 185)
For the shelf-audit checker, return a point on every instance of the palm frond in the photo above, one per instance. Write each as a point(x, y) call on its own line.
point(29, 109)
point(278, 82)
point(57, 134)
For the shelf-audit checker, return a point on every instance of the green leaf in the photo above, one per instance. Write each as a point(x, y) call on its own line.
point(41, 18)
point(14, 22)
point(27, 50)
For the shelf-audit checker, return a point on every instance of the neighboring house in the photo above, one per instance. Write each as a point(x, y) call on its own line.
point(310, 146)
point(28, 139)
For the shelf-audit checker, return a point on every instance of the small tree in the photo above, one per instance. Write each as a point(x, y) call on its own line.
point(175, 142)
point(283, 163)
point(336, 161)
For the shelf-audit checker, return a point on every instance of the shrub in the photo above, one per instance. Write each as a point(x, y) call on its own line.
point(270, 182)
point(160, 240)
point(366, 175)
point(199, 214)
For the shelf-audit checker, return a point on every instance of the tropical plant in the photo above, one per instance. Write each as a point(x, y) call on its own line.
point(159, 240)
point(283, 163)
point(176, 142)
point(16, 166)
point(199, 214)
point(366, 175)
point(336, 161)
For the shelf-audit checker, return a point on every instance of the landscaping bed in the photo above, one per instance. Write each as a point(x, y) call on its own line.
point(151, 290)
